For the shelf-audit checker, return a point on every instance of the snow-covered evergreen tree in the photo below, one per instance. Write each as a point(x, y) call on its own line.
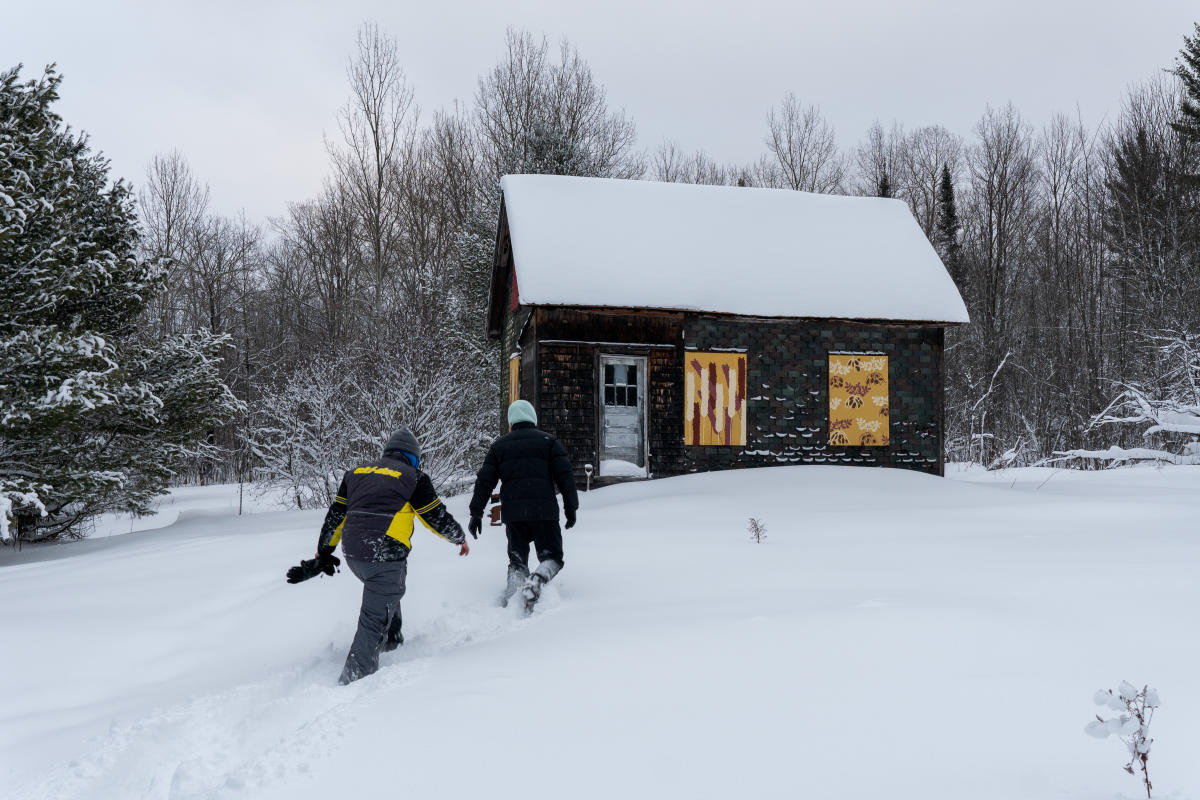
point(92, 415)
point(1187, 69)
point(947, 228)
point(884, 188)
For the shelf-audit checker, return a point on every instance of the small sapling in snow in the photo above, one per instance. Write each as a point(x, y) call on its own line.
point(758, 531)
point(1132, 724)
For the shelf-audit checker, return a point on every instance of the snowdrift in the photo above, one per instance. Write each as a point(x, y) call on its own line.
point(895, 636)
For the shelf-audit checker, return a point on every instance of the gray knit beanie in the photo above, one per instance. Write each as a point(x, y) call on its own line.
point(403, 440)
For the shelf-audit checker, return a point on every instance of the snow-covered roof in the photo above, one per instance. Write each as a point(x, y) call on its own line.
point(753, 252)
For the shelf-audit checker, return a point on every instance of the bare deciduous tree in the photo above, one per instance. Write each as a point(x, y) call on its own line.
point(923, 154)
point(173, 205)
point(670, 164)
point(803, 148)
point(538, 114)
point(878, 159)
point(379, 132)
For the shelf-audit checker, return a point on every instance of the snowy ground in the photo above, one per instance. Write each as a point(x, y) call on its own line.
point(897, 636)
point(189, 502)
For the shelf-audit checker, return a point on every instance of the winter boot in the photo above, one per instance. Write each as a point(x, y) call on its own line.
point(532, 590)
point(517, 575)
point(394, 637)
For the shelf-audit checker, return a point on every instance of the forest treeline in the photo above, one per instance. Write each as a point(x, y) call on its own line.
point(1076, 247)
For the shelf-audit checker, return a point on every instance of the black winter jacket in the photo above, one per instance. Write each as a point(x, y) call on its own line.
point(529, 464)
point(375, 508)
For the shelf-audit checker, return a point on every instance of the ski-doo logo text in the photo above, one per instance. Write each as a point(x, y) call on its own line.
point(391, 473)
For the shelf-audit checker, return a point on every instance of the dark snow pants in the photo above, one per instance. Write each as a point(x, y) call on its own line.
point(544, 535)
point(379, 618)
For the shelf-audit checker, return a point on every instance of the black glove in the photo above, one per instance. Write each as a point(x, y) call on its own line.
point(570, 518)
point(475, 527)
point(313, 567)
point(328, 563)
point(307, 569)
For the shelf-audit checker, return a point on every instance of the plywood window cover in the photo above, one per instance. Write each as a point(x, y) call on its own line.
point(714, 399)
point(859, 403)
point(514, 379)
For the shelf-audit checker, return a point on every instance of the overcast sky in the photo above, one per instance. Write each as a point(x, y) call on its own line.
point(246, 90)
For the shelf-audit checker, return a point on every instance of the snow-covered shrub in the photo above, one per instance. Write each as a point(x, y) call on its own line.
point(758, 531)
point(338, 410)
point(431, 400)
point(1170, 412)
point(299, 436)
point(1135, 709)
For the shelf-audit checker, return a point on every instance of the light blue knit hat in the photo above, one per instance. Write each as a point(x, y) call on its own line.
point(521, 411)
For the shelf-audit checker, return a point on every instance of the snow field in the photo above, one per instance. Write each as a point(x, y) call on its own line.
point(896, 636)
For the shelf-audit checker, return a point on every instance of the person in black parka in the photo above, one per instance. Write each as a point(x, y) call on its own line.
point(372, 516)
point(529, 464)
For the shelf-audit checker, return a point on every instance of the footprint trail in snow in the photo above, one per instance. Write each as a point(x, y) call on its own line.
point(228, 744)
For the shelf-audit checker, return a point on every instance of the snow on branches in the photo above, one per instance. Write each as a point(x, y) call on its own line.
point(337, 411)
point(1170, 411)
point(92, 415)
point(1135, 710)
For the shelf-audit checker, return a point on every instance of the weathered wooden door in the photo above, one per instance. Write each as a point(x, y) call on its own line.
point(622, 416)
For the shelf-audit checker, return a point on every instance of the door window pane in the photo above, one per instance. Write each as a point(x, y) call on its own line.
point(621, 385)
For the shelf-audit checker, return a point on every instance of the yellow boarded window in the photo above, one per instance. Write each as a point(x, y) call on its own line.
point(514, 379)
point(714, 399)
point(858, 401)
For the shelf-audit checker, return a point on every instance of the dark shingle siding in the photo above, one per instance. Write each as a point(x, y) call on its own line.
point(788, 387)
point(787, 384)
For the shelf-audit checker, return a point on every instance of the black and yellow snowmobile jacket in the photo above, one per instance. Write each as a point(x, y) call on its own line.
point(375, 508)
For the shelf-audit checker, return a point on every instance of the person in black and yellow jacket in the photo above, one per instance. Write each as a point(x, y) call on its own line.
point(372, 517)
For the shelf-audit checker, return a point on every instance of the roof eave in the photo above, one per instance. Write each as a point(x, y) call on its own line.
point(495, 312)
point(752, 317)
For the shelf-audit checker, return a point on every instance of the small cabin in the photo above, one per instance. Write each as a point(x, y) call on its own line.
point(661, 329)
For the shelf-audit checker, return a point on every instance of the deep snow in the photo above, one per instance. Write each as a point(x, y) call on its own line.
point(645, 244)
point(896, 636)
